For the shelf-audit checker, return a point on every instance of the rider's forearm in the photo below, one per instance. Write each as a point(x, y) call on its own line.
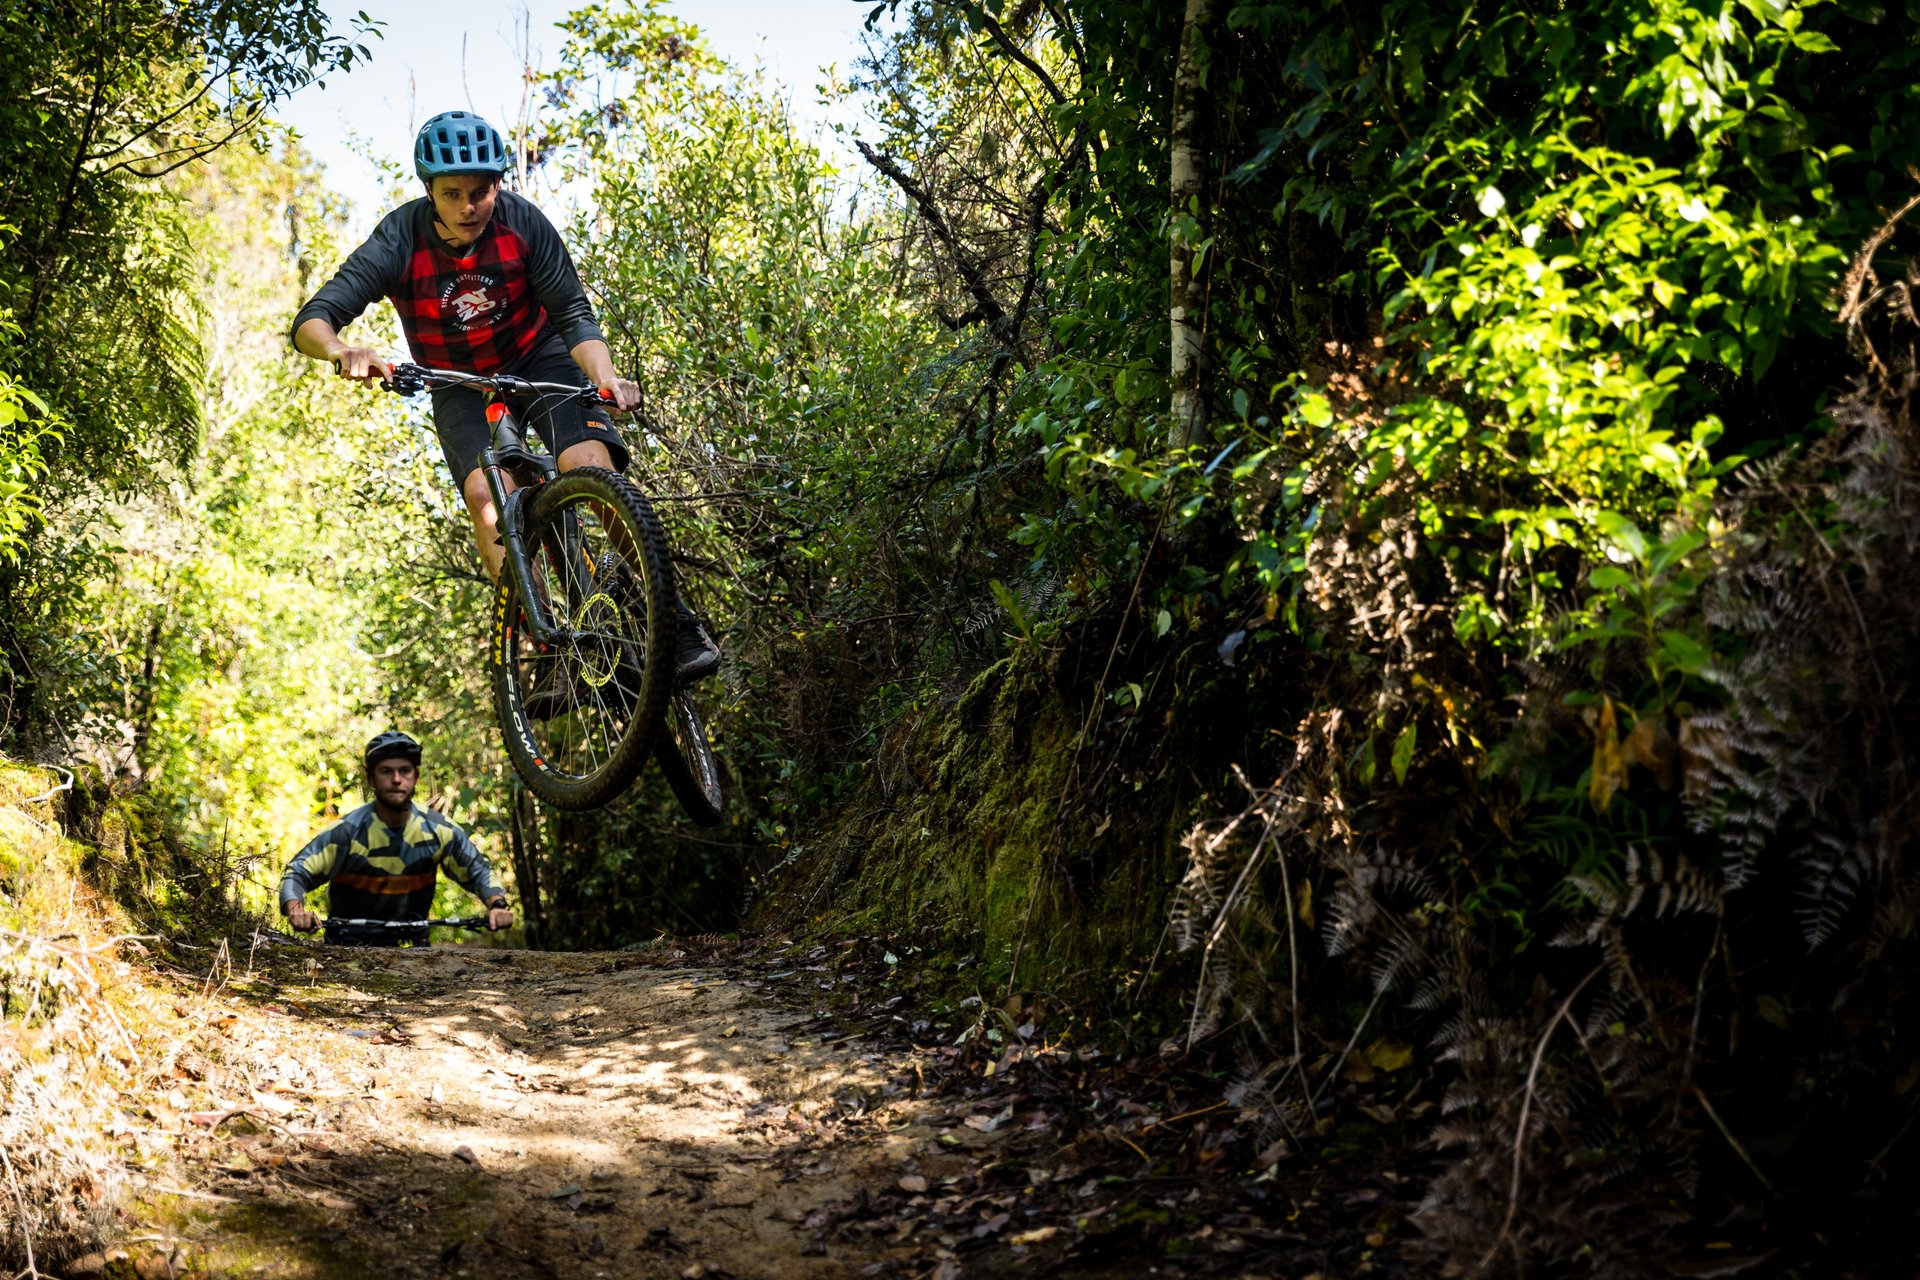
point(595, 360)
point(317, 339)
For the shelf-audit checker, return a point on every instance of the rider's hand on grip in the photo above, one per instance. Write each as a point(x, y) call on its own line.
point(622, 393)
point(303, 920)
point(499, 918)
point(361, 364)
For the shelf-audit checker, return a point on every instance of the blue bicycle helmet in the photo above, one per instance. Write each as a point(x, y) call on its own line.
point(458, 142)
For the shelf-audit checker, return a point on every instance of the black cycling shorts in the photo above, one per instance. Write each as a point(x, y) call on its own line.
point(460, 413)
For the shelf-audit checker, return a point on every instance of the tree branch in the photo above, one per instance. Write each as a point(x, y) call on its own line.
point(988, 307)
point(172, 115)
point(188, 154)
point(67, 198)
point(1014, 51)
point(1065, 23)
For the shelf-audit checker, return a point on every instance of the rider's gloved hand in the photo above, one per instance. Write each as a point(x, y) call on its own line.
point(499, 916)
point(361, 363)
point(300, 918)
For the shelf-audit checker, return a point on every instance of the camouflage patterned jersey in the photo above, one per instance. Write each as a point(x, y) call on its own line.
point(374, 872)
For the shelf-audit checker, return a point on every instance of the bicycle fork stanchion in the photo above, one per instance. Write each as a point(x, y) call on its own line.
point(507, 441)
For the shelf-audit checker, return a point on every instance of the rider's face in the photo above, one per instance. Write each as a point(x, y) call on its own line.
point(463, 202)
point(393, 782)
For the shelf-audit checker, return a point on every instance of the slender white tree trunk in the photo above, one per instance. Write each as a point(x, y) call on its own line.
point(1187, 413)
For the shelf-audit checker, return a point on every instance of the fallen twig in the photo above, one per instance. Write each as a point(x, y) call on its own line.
point(1732, 1141)
point(1526, 1107)
point(26, 1236)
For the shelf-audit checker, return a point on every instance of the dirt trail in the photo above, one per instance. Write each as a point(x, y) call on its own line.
point(746, 1110)
point(509, 1114)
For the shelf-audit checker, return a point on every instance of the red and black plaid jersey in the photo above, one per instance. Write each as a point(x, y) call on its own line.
point(477, 312)
point(480, 312)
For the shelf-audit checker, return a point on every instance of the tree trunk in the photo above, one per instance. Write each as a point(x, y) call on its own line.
point(528, 875)
point(148, 693)
point(1187, 229)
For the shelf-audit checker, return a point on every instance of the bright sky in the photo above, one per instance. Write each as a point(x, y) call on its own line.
point(417, 69)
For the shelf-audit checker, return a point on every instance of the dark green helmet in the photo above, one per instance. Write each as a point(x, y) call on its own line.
point(458, 142)
point(392, 745)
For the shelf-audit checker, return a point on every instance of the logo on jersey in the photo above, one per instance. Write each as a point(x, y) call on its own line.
point(469, 296)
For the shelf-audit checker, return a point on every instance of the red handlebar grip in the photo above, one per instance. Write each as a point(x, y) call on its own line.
point(606, 393)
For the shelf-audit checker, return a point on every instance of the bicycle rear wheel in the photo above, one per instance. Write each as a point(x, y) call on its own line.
point(580, 715)
point(686, 760)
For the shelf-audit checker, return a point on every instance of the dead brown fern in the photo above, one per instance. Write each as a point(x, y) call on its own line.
point(1587, 1118)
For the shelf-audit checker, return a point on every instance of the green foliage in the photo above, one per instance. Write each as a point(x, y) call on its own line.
point(101, 101)
point(23, 425)
point(791, 439)
point(218, 651)
point(98, 103)
point(1498, 298)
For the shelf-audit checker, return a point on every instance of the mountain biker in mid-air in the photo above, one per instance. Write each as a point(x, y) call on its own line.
point(381, 861)
point(483, 284)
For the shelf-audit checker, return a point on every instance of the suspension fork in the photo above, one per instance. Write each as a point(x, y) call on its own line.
point(507, 505)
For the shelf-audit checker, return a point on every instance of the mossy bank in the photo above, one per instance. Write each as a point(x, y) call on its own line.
point(1006, 836)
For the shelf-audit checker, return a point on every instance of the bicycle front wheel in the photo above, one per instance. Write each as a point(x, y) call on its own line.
point(580, 713)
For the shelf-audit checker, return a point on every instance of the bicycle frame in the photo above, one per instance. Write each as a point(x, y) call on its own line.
point(570, 614)
point(508, 455)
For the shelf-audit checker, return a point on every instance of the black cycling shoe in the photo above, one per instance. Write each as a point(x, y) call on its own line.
point(695, 655)
point(556, 690)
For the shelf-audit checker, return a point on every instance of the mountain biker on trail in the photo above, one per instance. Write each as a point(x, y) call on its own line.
point(380, 862)
point(483, 284)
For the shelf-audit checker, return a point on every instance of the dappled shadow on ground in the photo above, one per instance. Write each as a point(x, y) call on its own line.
point(752, 1112)
point(452, 1112)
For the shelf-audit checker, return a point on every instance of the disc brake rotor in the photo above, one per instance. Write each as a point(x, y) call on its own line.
point(598, 658)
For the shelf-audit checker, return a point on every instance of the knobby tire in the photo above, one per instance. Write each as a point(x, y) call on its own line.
point(687, 762)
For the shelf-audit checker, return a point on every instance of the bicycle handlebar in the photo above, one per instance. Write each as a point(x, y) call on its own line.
point(411, 379)
point(446, 922)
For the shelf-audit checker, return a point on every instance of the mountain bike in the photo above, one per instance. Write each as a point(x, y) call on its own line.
point(585, 618)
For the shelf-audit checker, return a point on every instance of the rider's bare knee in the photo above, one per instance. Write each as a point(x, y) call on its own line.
point(479, 498)
point(586, 453)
